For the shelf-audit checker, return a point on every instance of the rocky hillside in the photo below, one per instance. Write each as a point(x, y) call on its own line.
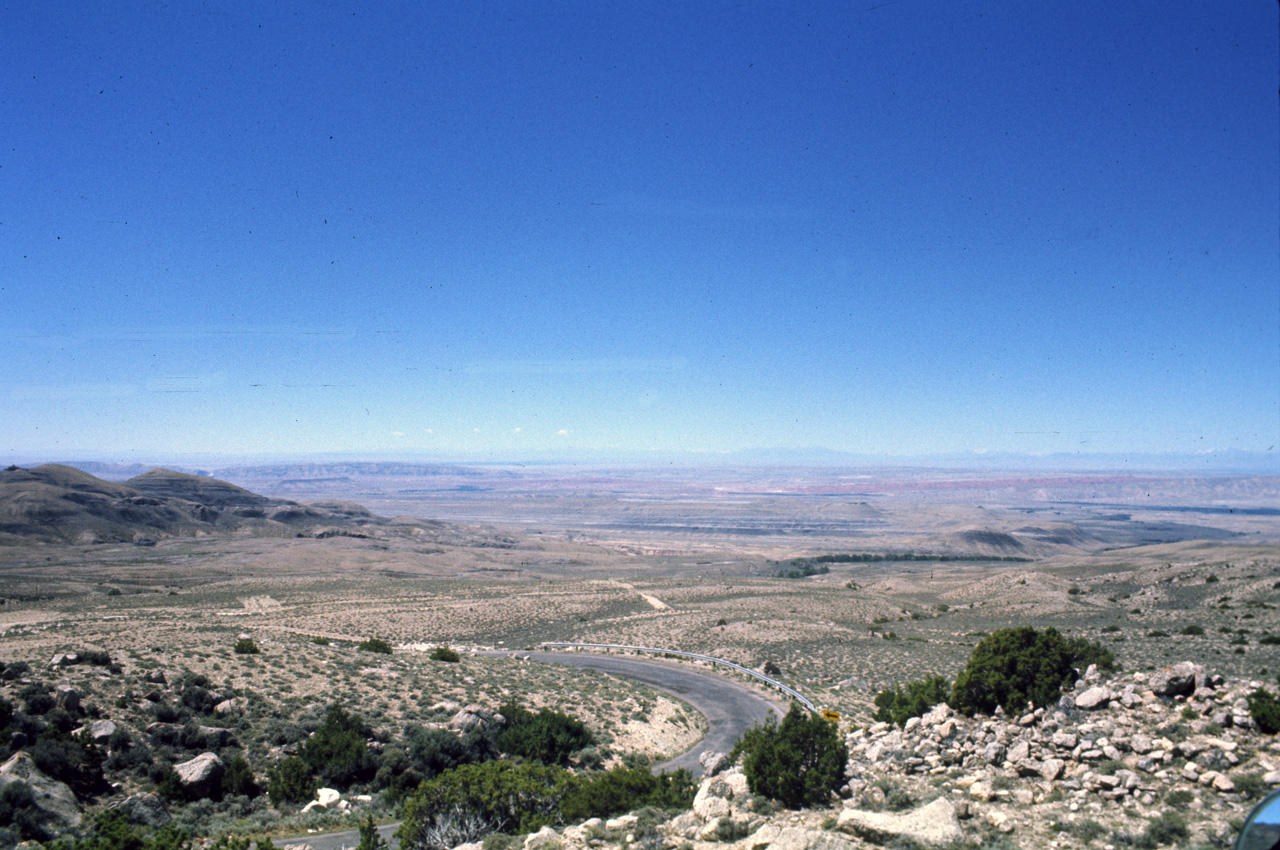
point(59, 504)
point(1170, 758)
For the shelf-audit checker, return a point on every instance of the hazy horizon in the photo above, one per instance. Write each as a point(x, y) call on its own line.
point(818, 459)
point(573, 230)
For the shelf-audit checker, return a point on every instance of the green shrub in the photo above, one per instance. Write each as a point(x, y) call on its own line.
point(798, 763)
point(1087, 830)
point(1264, 708)
point(623, 789)
point(548, 736)
point(1014, 667)
point(238, 779)
point(75, 760)
point(469, 802)
point(112, 831)
point(1169, 828)
point(898, 705)
point(444, 653)
point(1251, 785)
point(1269, 640)
point(1179, 799)
point(1192, 630)
point(337, 751)
point(375, 645)
point(291, 782)
point(246, 646)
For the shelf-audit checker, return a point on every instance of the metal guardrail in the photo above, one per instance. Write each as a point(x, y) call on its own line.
point(792, 692)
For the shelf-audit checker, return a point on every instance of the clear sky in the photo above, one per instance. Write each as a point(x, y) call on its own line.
point(496, 230)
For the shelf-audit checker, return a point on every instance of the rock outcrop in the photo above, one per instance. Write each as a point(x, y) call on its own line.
point(55, 799)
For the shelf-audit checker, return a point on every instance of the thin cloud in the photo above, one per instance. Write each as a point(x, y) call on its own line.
point(70, 392)
point(575, 367)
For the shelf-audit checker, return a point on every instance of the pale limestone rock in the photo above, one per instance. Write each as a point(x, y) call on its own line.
point(544, 839)
point(1093, 699)
point(798, 838)
point(933, 824)
point(201, 775)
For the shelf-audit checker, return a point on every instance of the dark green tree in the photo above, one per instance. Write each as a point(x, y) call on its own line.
point(338, 752)
point(548, 736)
point(798, 762)
point(369, 837)
point(1264, 708)
point(238, 778)
point(291, 782)
point(1014, 667)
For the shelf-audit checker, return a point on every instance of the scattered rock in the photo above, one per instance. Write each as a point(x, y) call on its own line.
point(1176, 679)
point(713, 763)
point(1093, 699)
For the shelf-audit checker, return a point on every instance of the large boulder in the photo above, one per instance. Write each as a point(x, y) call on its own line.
point(144, 810)
point(100, 731)
point(68, 698)
point(717, 795)
point(202, 775)
point(1177, 679)
point(50, 796)
point(475, 717)
point(934, 824)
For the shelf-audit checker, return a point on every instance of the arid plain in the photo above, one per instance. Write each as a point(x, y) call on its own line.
point(689, 559)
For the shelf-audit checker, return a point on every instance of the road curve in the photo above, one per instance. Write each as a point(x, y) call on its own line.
point(731, 708)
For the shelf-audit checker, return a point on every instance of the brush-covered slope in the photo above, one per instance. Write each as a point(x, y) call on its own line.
point(59, 504)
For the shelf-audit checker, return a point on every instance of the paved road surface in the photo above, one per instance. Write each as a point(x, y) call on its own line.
point(730, 708)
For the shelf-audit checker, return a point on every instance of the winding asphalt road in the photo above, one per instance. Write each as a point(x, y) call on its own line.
point(731, 708)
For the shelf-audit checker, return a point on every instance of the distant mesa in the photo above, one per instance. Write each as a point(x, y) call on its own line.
point(56, 504)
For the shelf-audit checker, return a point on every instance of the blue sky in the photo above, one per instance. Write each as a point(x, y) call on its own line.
point(499, 230)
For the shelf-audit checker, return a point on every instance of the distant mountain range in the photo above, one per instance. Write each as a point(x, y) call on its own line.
point(53, 503)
